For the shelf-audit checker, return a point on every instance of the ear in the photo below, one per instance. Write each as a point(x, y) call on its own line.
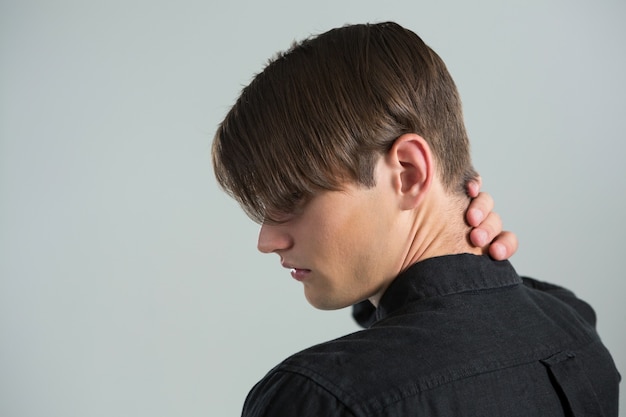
point(414, 169)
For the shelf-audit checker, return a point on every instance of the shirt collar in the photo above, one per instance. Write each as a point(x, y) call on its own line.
point(445, 275)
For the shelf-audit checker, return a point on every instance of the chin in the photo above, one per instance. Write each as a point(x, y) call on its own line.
point(327, 303)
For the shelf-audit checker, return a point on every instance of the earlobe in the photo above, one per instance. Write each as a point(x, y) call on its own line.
point(413, 160)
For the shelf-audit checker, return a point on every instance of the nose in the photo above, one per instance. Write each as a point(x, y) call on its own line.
point(273, 238)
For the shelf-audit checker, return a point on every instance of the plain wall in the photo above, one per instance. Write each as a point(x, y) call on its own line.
point(130, 285)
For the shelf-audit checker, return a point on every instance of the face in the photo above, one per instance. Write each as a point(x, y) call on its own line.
point(342, 246)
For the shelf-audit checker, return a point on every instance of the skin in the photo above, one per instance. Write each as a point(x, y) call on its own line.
point(347, 246)
point(329, 244)
point(487, 226)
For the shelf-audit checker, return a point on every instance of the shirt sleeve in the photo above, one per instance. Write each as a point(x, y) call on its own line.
point(287, 394)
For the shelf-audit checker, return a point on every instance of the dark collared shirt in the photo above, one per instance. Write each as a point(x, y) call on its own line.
point(458, 335)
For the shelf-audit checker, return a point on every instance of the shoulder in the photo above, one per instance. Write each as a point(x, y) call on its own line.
point(335, 378)
point(564, 295)
point(356, 375)
point(290, 390)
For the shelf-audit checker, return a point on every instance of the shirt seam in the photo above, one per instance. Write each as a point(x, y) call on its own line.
point(358, 405)
point(327, 385)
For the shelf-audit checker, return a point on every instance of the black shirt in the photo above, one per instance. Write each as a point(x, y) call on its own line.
point(457, 335)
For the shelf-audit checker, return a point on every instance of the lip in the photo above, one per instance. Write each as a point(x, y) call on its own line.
point(299, 274)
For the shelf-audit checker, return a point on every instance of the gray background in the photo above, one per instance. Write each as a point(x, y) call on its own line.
point(131, 286)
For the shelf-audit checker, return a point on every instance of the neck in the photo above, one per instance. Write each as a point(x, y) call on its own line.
point(439, 228)
point(435, 228)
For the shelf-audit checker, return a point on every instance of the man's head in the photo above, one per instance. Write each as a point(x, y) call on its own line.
point(350, 149)
point(321, 115)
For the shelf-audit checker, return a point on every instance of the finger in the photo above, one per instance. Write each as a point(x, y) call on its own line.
point(487, 230)
point(504, 246)
point(473, 186)
point(479, 209)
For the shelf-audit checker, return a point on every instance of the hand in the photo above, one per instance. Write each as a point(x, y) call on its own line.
point(487, 226)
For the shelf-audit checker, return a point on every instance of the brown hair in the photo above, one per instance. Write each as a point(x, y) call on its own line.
point(321, 113)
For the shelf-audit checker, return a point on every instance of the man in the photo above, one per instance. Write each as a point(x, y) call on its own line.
point(351, 151)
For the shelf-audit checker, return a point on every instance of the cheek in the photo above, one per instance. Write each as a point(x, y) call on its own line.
point(346, 237)
point(340, 252)
point(355, 250)
point(347, 244)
